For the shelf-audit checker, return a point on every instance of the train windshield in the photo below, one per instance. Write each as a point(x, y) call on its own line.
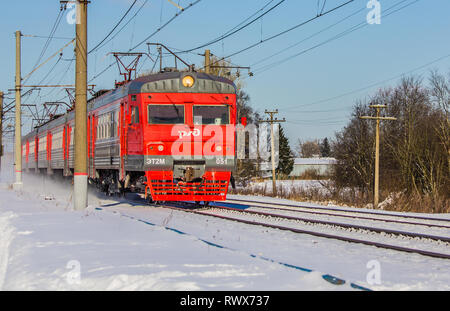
point(205, 114)
point(165, 114)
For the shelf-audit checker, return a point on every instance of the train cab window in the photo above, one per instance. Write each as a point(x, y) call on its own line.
point(218, 114)
point(165, 114)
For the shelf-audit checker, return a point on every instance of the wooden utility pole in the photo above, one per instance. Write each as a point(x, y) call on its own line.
point(207, 61)
point(1, 129)
point(377, 149)
point(80, 173)
point(18, 120)
point(272, 145)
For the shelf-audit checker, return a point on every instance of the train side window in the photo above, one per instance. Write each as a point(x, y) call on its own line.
point(112, 124)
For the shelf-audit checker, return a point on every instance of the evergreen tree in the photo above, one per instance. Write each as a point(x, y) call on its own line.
point(286, 156)
point(325, 149)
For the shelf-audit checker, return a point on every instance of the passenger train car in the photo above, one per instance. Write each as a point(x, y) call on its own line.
point(169, 134)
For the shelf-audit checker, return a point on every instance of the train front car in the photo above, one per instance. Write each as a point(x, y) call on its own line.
point(188, 136)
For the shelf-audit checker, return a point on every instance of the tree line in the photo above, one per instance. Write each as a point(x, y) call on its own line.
point(414, 149)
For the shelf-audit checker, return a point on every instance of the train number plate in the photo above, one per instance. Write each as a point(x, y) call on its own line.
point(155, 161)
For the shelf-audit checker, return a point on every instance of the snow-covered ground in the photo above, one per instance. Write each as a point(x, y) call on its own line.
point(288, 186)
point(123, 245)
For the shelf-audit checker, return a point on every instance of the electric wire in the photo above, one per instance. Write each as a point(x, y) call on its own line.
point(234, 30)
point(292, 108)
point(114, 28)
point(340, 35)
point(48, 41)
point(282, 32)
point(126, 24)
point(148, 37)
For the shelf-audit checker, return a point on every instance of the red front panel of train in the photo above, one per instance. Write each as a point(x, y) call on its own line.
point(175, 138)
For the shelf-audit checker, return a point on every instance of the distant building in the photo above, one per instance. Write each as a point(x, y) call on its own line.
point(307, 166)
point(321, 166)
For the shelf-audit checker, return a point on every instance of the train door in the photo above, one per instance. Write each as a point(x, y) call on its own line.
point(27, 154)
point(49, 153)
point(92, 126)
point(134, 128)
point(89, 139)
point(36, 153)
point(66, 149)
point(122, 138)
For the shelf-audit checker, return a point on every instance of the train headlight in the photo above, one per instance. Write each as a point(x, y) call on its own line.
point(160, 147)
point(188, 81)
point(218, 148)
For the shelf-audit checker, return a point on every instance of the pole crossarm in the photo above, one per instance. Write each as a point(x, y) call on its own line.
point(57, 85)
point(378, 118)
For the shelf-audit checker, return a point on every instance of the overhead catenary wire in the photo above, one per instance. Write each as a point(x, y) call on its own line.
point(43, 63)
point(370, 85)
point(165, 24)
point(307, 38)
point(148, 37)
point(48, 41)
point(234, 30)
point(124, 25)
point(339, 35)
point(114, 28)
point(282, 32)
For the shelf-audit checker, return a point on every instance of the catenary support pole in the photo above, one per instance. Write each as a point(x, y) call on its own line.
point(207, 61)
point(80, 172)
point(18, 119)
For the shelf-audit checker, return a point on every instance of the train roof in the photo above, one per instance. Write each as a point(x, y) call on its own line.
point(164, 82)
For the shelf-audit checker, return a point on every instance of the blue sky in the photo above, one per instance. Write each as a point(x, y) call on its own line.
point(309, 90)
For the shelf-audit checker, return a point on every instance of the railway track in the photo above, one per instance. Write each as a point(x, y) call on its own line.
point(352, 233)
point(346, 232)
point(431, 221)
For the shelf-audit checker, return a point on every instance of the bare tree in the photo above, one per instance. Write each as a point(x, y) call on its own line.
point(309, 149)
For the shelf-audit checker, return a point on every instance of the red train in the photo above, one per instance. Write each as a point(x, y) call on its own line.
point(170, 135)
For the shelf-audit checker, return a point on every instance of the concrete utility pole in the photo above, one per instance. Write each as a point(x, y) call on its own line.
point(377, 149)
point(18, 122)
point(80, 173)
point(207, 61)
point(272, 145)
point(1, 129)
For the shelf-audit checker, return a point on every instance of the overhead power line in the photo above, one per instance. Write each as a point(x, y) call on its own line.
point(124, 25)
point(307, 38)
point(372, 84)
point(49, 39)
point(234, 30)
point(283, 32)
point(148, 37)
point(339, 35)
point(114, 28)
point(165, 24)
